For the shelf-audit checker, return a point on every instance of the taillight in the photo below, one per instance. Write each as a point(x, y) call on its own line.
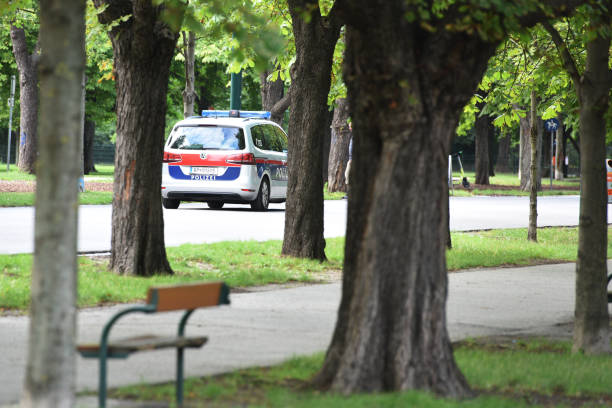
point(171, 157)
point(242, 158)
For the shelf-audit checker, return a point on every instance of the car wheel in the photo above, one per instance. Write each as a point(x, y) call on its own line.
point(263, 197)
point(215, 205)
point(170, 204)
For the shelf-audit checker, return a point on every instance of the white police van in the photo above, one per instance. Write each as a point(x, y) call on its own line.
point(225, 157)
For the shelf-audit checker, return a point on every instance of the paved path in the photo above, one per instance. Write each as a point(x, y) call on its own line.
point(194, 223)
point(267, 327)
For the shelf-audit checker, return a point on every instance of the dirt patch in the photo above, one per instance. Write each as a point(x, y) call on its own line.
point(21, 186)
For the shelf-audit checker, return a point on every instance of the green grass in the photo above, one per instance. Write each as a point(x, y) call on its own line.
point(332, 196)
point(511, 247)
point(252, 263)
point(14, 174)
point(502, 373)
point(27, 199)
point(512, 180)
point(545, 366)
point(104, 172)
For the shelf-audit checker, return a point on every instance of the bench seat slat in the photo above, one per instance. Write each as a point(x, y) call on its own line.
point(124, 347)
point(188, 296)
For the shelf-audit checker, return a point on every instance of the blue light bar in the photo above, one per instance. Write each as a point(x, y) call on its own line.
point(235, 114)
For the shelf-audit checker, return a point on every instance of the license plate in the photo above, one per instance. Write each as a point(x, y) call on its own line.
point(206, 171)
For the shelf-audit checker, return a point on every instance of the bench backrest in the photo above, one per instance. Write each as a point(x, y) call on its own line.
point(188, 296)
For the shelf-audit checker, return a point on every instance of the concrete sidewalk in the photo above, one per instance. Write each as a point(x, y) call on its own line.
point(267, 327)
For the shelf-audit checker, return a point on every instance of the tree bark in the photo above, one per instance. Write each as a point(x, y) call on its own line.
point(315, 41)
point(326, 146)
point(525, 155)
point(492, 148)
point(143, 48)
point(481, 138)
point(503, 154)
point(273, 98)
point(338, 155)
point(189, 94)
point(592, 321)
point(532, 231)
point(559, 156)
point(28, 99)
point(51, 369)
point(89, 165)
point(391, 328)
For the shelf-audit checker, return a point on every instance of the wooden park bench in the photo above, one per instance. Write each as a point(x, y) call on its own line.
point(186, 297)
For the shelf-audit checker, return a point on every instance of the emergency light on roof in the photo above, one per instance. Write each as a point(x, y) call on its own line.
point(235, 114)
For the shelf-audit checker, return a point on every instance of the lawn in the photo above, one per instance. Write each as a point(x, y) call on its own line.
point(501, 184)
point(508, 184)
point(255, 263)
point(507, 372)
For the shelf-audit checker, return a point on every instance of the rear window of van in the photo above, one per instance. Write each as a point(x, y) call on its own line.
point(207, 138)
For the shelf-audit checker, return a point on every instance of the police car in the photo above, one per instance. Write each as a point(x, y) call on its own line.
point(225, 157)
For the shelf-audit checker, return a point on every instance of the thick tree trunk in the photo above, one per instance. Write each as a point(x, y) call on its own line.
point(338, 155)
point(481, 138)
point(189, 94)
point(560, 148)
point(532, 231)
point(28, 100)
point(143, 48)
point(503, 154)
point(89, 165)
point(51, 370)
point(391, 328)
point(315, 41)
point(273, 98)
point(592, 321)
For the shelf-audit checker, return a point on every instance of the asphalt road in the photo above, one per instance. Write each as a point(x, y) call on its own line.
point(195, 223)
point(267, 327)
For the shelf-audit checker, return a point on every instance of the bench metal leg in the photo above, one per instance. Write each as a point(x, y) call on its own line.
point(180, 353)
point(179, 376)
point(102, 380)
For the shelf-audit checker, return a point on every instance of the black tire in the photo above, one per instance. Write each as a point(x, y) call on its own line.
point(170, 203)
point(263, 197)
point(215, 205)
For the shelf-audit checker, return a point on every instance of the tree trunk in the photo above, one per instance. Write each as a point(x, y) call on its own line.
point(503, 154)
point(50, 379)
point(189, 94)
point(88, 144)
point(338, 155)
point(28, 99)
point(315, 41)
point(273, 98)
point(592, 322)
point(326, 146)
point(525, 155)
point(559, 156)
point(391, 328)
point(481, 138)
point(532, 231)
point(143, 48)
point(492, 147)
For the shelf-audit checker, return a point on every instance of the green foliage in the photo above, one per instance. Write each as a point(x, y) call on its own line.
point(23, 14)
point(529, 60)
